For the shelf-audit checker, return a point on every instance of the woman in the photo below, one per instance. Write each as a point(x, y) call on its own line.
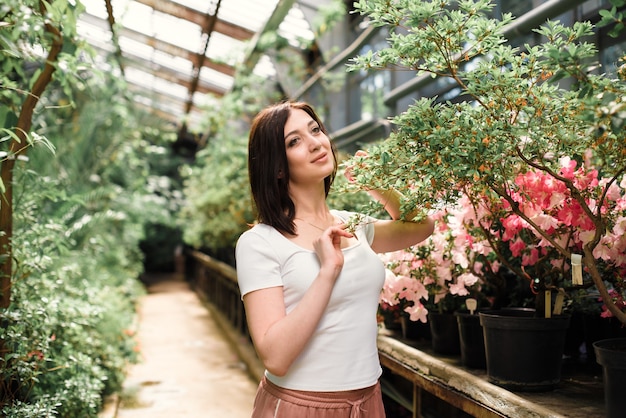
point(309, 286)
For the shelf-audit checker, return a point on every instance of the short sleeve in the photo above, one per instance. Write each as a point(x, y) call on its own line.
point(258, 266)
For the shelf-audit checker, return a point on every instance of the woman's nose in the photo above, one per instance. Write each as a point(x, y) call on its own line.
point(314, 143)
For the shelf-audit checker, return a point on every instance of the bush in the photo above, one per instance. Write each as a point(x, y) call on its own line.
point(68, 332)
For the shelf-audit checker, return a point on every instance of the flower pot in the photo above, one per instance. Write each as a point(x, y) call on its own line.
point(444, 332)
point(523, 352)
point(597, 328)
point(471, 339)
point(414, 330)
point(392, 324)
point(611, 355)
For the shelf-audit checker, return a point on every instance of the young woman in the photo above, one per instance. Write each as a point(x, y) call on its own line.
point(309, 286)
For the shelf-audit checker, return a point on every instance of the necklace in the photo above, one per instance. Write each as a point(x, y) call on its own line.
point(313, 225)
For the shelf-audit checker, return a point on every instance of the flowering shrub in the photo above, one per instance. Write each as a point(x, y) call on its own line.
point(522, 112)
point(441, 272)
point(552, 222)
point(549, 204)
point(472, 240)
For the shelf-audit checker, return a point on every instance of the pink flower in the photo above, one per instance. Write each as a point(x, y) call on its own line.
point(517, 246)
point(567, 167)
point(417, 312)
point(530, 259)
point(512, 224)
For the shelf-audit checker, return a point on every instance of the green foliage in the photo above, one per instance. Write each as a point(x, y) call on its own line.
point(613, 17)
point(521, 109)
point(68, 327)
point(23, 36)
point(219, 205)
point(517, 114)
point(79, 217)
point(328, 16)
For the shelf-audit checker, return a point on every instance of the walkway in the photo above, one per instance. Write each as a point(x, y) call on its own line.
point(188, 368)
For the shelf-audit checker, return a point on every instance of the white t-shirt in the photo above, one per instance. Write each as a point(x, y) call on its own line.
point(342, 353)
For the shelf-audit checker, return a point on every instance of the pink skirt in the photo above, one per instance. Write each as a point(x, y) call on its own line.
point(275, 402)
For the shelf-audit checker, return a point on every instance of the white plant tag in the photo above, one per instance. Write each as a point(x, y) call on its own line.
point(558, 303)
point(577, 270)
point(471, 305)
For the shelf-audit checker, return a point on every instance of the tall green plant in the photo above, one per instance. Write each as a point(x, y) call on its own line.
point(68, 330)
point(524, 109)
point(73, 260)
point(27, 27)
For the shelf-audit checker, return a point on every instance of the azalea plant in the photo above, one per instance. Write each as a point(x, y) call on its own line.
point(441, 272)
point(547, 203)
point(524, 111)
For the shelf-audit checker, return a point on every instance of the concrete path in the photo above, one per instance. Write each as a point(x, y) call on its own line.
point(188, 368)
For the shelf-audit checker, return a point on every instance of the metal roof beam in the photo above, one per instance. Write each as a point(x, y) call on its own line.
point(187, 13)
point(162, 46)
point(173, 76)
point(276, 18)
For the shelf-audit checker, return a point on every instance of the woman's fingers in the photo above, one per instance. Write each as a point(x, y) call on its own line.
point(348, 172)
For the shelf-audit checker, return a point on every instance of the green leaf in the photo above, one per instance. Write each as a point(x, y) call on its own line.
point(10, 134)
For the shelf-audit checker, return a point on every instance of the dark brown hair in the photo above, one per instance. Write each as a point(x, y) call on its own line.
point(268, 170)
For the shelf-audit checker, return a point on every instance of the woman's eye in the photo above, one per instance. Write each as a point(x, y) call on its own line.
point(293, 141)
point(316, 129)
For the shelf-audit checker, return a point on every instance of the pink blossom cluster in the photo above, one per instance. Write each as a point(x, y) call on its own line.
point(547, 202)
point(446, 263)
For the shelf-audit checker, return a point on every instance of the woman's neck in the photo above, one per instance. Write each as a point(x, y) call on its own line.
point(310, 204)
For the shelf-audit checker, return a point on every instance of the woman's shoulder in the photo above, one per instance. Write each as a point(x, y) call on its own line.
point(257, 231)
point(344, 215)
point(260, 240)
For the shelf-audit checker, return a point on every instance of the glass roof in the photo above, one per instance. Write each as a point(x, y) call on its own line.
point(178, 55)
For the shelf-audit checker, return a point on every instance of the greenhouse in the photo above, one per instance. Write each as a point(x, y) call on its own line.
point(297, 208)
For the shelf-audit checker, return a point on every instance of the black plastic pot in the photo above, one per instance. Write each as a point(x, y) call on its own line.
point(444, 333)
point(523, 353)
point(611, 355)
point(471, 340)
point(414, 330)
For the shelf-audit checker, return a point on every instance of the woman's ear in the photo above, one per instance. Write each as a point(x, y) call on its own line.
point(280, 174)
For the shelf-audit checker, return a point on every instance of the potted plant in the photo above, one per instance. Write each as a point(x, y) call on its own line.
point(432, 280)
point(517, 119)
point(539, 112)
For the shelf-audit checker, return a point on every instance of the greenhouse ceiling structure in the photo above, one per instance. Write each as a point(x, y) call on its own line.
point(180, 55)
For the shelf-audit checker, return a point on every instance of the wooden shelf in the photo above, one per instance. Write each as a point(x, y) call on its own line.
point(580, 393)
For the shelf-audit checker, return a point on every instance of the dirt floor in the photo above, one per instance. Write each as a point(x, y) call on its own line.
point(188, 368)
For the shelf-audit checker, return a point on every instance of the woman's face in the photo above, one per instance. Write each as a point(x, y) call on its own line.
point(309, 154)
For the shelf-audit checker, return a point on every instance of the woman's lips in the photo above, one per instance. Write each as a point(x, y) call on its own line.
point(319, 158)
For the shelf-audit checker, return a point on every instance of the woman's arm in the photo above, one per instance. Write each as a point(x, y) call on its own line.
point(395, 234)
point(280, 337)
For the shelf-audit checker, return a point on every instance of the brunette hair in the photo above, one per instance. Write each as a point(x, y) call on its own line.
point(268, 170)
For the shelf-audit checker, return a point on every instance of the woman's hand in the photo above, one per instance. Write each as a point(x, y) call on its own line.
point(348, 171)
point(328, 250)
